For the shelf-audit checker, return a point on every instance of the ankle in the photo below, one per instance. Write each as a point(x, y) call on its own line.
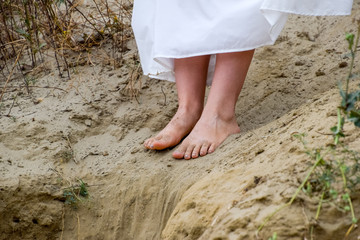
point(221, 114)
point(192, 109)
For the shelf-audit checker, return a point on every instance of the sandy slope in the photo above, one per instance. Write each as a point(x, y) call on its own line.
point(140, 194)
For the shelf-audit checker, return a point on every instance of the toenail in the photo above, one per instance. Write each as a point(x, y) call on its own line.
point(186, 156)
point(151, 146)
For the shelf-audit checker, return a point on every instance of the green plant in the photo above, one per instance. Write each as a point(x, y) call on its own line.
point(348, 109)
point(29, 80)
point(76, 194)
point(335, 172)
point(333, 179)
point(273, 237)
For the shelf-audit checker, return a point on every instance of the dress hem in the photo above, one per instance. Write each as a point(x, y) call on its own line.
point(169, 75)
point(334, 14)
point(156, 56)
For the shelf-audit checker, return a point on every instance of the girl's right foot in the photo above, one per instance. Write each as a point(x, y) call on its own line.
point(180, 125)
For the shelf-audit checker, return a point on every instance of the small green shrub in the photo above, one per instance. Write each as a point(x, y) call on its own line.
point(76, 194)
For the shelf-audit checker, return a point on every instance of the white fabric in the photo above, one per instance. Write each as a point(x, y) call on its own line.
point(309, 7)
point(169, 29)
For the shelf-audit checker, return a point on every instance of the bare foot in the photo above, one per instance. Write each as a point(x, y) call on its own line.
point(180, 125)
point(208, 133)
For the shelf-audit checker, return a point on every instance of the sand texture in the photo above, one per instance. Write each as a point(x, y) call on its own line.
point(95, 132)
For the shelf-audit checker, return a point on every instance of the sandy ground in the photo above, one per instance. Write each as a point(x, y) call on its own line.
point(141, 194)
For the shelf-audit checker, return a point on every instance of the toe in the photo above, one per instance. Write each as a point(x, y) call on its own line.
point(211, 148)
point(164, 142)
point(148, 142)
point(204, 149)
point(180, 152)
point(188, 152)
point(159, 144)
point(196, 151)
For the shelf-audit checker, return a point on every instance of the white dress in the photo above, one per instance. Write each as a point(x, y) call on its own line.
point(169, 29)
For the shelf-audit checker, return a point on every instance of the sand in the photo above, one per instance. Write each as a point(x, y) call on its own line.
point(140, 194)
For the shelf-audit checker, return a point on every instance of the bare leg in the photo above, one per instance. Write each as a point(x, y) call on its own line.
point(218, 120)
point(190, 75)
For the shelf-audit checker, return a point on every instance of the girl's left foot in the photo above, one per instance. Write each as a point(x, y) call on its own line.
point(209, 132)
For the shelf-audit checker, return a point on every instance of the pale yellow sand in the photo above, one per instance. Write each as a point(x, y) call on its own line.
point(141, 194)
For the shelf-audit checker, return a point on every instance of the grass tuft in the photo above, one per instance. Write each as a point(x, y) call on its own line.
point(67, 33)
point(334, 177)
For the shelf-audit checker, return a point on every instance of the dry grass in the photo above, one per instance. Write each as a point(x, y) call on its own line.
point(67, 32)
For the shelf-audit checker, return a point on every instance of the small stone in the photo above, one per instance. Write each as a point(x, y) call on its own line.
point(281, 75)
point(319, 73)
point(38, 100)
point(134, 150)
point(343, 64)
point(260, 151)
point(299, 63)
point(88, 122)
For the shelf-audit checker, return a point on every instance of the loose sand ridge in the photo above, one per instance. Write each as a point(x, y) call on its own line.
point(141, 194)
